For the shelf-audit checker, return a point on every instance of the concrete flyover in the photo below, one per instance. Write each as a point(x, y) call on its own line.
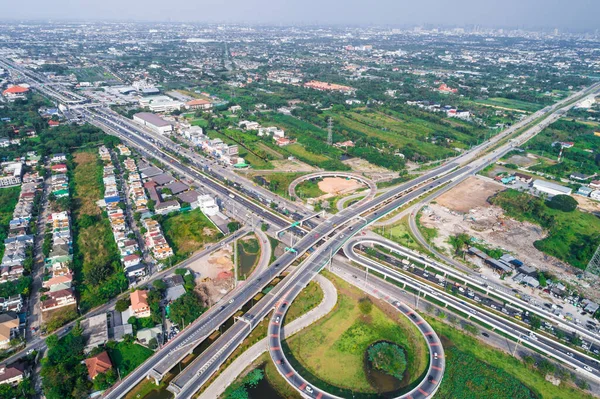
point(427, 387)
point(228, 376)
point(370, 183)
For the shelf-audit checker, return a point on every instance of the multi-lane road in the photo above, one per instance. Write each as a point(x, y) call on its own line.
point(333, 233)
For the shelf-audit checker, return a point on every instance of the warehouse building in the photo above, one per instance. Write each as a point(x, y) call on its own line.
point(153, 121)
point(551, 188)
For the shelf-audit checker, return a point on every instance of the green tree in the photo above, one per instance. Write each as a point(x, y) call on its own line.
point(233, 226)
point(122, 305)
point(159, 285)
point(186, 308)
point(535, 322)
point(389, 358)
point(564, 203)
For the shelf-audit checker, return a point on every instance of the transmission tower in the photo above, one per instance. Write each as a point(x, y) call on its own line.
point(594, 266)
point(329, 131)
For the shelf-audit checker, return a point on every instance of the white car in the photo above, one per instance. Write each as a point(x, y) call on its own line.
point(588, 368)
point(309, 389)
point(277, 319)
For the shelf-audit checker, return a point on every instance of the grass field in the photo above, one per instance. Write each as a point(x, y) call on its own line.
point(8, 200)
point(403, 132)
point(400, 233)
point(332, 350)
point(92, 74)
point(279, 182)
point(127, 356)
point(454, 384)
point(301, 153)
point(572, 236)
point(309, 189)
point(308, 299)
point(512, 104)
point(189, 231)
point(96, 259)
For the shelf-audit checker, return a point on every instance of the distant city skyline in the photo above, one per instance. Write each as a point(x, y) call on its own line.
point(574, 15)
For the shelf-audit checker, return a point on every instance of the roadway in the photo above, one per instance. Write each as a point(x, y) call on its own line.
point(373, 210)
point(545, 345)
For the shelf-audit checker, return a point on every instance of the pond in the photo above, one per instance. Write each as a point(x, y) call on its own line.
point(263, 390)
point(388, 386)
point(246, 262)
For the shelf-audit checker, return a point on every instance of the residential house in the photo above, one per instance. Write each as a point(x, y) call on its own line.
point(98, 364)
point(12, 374)
point(9, 328)
point(58, 299)
point(139, 303)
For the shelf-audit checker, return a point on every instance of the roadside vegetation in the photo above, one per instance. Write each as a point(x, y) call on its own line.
point(471, 362)
point(572, 236)
point(127, 355)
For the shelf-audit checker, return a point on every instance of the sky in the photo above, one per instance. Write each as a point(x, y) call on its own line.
point(562, 14)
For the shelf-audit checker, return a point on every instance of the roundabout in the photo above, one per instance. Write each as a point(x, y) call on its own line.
point(372, 187)
point(423, 388)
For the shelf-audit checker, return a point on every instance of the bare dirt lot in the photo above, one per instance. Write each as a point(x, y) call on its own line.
point(522, 160)
point(464, 209)
point(375, 172)
point(470, 194)
point(588, 204)
point(339, 185)
point(285, 165)
point(211, 269)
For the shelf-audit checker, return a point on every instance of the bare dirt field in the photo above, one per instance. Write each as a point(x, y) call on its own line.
point(339, 185)
point(375, 172)
point(489, 225)
point(522, 160)
point(588, 204)
point(470, 194)
point(285, 165)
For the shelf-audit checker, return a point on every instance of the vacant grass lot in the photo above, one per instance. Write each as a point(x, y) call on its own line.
point(187, 232)
point(513, 104)
point(8, 200)
point(127, 356)
point(309, 189)
point(301, 153)
point(279, 182)
point(400, 233)
point(92, 74)
point(477, 376)
point(309, 298)
point(332, 350)
point(96, 259)
point(572, 236)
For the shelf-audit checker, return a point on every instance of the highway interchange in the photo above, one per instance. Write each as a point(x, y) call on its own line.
point(331, 234)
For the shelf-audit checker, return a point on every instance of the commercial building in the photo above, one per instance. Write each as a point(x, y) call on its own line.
point(153, 122)
point(11, 174)
point(198, 104)
point(160, 103)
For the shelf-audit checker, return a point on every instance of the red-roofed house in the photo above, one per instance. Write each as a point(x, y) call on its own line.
point(52, 123)
point(98, 364)
point(139, 303)
point(59, 168)
point(15, 92)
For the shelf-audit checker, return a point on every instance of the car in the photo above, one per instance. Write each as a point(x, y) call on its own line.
point(277, 319)
point(473, 311)
point(309, 389)
point(435, 355)
point(485, 334)
point(588, 368)
point(570, 354)
point(231, 301)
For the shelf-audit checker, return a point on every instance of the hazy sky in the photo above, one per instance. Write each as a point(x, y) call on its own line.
point(574, 14)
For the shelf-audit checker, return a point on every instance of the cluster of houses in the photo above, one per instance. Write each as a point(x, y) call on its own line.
point(136, 193)
point(59, 181)
point(592, 190)
point(128, 247)
point(155, 240)
point(271, 131)
point(19, 239)
point(58, 279)
point(226, 153)
point(450, 111)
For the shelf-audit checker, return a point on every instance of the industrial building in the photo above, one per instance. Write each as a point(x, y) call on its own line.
point(551, 188)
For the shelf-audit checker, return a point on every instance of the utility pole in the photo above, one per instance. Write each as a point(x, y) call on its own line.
point(329, 131)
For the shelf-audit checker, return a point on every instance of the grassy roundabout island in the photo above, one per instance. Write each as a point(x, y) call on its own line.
point(351, 347)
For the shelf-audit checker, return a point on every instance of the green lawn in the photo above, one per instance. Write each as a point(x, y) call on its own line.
point(400, 233)
point(92, 74)
point(309, 298)
point(332, 350)
point(127, 356)
point(279, 182)
point(479, 377)
point(572, 236)
point(187, 232)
